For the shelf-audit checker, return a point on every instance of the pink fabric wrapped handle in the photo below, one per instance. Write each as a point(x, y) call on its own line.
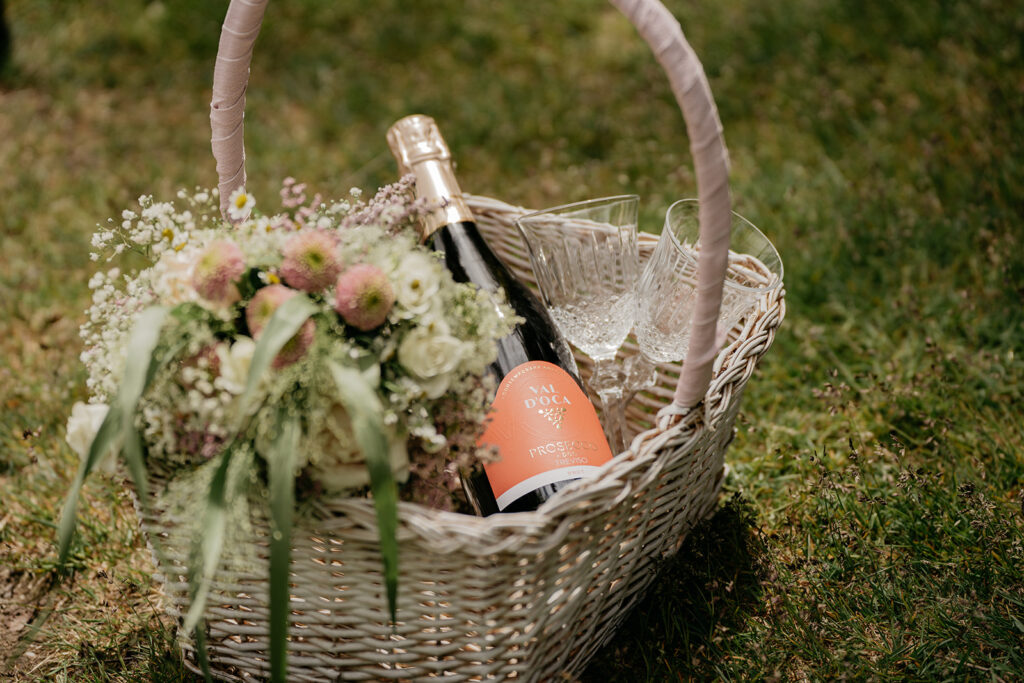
point(665, 37)
point(230, 78)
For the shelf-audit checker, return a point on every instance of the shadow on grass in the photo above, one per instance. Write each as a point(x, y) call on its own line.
point(710, 588)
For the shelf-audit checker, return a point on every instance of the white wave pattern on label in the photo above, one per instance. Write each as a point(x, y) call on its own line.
point(544, 479)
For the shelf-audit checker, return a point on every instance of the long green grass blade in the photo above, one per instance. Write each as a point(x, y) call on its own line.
point(367, 415)
point(211, 542)
point(131, 451)
point(281, 327)
point(118, 426)
point(281, 473)
point(102, 443)
point(201, 655)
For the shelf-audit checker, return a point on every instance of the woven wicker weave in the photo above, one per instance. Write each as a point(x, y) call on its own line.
point(530, 596)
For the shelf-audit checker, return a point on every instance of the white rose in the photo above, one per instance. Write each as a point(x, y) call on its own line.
point(234, 364)
point(416, 282)
point(429, 353)
point(83, 425)
point(337, 462)
point(173, 283)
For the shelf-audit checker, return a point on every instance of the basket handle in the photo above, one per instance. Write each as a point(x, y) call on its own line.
point(663, 35)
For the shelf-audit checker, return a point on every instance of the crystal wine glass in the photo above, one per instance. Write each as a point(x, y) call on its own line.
point(667, 288)
point(585, 258)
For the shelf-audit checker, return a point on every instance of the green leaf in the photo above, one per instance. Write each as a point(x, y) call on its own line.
point(281, 327)
point(367, 415)
point(281, 473)
point(117, 432)
point(141, 347)
point(211, 541)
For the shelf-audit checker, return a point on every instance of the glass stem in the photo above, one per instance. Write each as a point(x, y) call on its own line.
point(607, 382)
point(641, 373)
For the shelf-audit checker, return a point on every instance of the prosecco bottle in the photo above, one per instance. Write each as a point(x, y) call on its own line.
point(543, 425)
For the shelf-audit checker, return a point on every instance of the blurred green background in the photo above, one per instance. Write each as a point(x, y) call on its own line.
point(873, 527)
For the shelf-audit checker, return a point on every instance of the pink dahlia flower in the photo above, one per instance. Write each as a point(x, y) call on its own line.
point(311, 261)
point(219, 265)
point(364, 296)
point(261, 309)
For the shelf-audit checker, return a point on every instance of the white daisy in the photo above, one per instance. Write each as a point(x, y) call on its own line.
point(240, 204)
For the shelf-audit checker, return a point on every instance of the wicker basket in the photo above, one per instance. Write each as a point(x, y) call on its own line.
point(530, 596)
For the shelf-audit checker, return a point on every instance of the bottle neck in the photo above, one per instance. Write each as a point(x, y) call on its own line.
point(436, 184)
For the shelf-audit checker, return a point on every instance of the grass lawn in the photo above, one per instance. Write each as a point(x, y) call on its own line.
point(873, 522)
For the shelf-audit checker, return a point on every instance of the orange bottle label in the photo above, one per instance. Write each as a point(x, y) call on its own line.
point(546, 431)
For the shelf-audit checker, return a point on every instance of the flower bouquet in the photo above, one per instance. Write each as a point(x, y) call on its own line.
point(261, 365)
